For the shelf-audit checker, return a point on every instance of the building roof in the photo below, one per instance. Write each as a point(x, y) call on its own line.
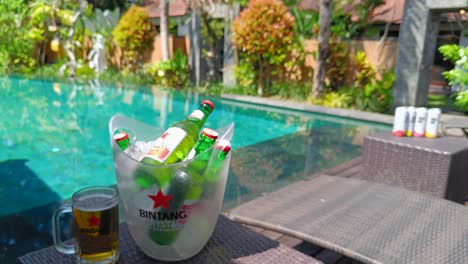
point(176, 8)
point(391, 11)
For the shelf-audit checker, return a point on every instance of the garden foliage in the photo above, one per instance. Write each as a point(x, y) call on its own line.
point(173, 73)
point(370, 89)
point(134, 34)
point(263, 32)
point(458, 76)
point(16, 47)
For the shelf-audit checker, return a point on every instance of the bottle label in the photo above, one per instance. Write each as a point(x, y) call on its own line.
point(197, 114)
point(166, 144)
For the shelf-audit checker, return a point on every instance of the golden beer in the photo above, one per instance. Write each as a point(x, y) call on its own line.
point(97, 227)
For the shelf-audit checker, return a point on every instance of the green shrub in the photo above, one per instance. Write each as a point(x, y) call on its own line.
point(338, 99)
point(337, 64)
point(291, 90)
point(246, 76)
point(372, 90)
point(210, 88)
point(263, 32)
point(458, 76)
point(376, 95)
point(133, 35)
point(365, 73)
point(173, 73)
point(16, 48)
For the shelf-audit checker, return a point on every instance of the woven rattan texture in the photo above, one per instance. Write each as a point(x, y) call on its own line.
point(370, 222)
point(436, 167)
point(230, 243)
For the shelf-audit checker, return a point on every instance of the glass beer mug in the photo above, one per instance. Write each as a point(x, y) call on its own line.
point(96, 218)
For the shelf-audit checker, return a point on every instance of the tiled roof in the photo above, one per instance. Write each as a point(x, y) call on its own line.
point(390, 11)
point(176, 8)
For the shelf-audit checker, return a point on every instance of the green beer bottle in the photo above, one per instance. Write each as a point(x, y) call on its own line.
point(122, 139)
point(199, 163)
point(178, 187)
point(207, 139)
point(174, 145)
point(215, 165)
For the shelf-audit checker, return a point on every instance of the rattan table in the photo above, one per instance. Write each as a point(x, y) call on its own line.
point(230, 243)
point(437, 167)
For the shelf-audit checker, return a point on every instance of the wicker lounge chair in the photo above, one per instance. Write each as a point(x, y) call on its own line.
point(369, 222)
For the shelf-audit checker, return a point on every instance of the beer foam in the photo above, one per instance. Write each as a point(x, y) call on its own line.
point(95, 202)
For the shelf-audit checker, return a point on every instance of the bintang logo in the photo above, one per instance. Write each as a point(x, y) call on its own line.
point(93, 223)
point(165, 213)
point(161, 200)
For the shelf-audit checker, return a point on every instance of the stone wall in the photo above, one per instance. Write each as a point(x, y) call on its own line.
point(381, 56)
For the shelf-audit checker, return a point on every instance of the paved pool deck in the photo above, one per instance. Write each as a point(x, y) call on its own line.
point(347, 113)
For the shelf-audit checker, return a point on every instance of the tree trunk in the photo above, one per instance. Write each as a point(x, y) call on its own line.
point(164, 7)
point(323, 47)
point(260, 79)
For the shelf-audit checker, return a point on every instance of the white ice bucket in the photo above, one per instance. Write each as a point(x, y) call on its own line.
point(171, 210)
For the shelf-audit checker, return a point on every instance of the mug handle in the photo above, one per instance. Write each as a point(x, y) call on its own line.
point(57, 234)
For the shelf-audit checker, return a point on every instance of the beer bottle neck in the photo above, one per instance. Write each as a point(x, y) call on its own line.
point(203, 144)
point(199, 116)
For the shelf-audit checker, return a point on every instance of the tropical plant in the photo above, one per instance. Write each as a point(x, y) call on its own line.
point(133, 35)
point(172, 73)
point(372, 89)
point(336, 99)
point(458, 76)
point(365, 73)
point(246, 77)
point(16, 48)
point(263, 32)
point(376, 96)
point(290, 89)
point(337, 65)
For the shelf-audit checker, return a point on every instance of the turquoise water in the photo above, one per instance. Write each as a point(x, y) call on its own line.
point(54, 140)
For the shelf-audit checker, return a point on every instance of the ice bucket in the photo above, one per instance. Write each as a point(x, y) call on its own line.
point(171, 210)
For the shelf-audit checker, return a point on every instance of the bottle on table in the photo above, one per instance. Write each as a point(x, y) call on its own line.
point(420, 122)
point(400, 122)
point(174, 145)
point(432, 123)
point(411, 120)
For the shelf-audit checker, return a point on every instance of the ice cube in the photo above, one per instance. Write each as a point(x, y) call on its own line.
point(135, 152)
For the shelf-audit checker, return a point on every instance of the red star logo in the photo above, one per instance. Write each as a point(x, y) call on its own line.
point(161, 200)
point(93, 221)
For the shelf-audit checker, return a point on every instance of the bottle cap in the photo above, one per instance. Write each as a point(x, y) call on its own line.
point(210, 133)
point(208, 102)
point(223, 145)
point(120, 136)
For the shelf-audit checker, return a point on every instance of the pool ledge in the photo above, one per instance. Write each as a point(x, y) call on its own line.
point(307, 107)
point(348, 113)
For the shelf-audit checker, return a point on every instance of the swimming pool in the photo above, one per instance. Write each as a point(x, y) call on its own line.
point(54, 140)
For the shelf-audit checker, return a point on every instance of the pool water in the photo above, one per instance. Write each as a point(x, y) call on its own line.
point(54, 140)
